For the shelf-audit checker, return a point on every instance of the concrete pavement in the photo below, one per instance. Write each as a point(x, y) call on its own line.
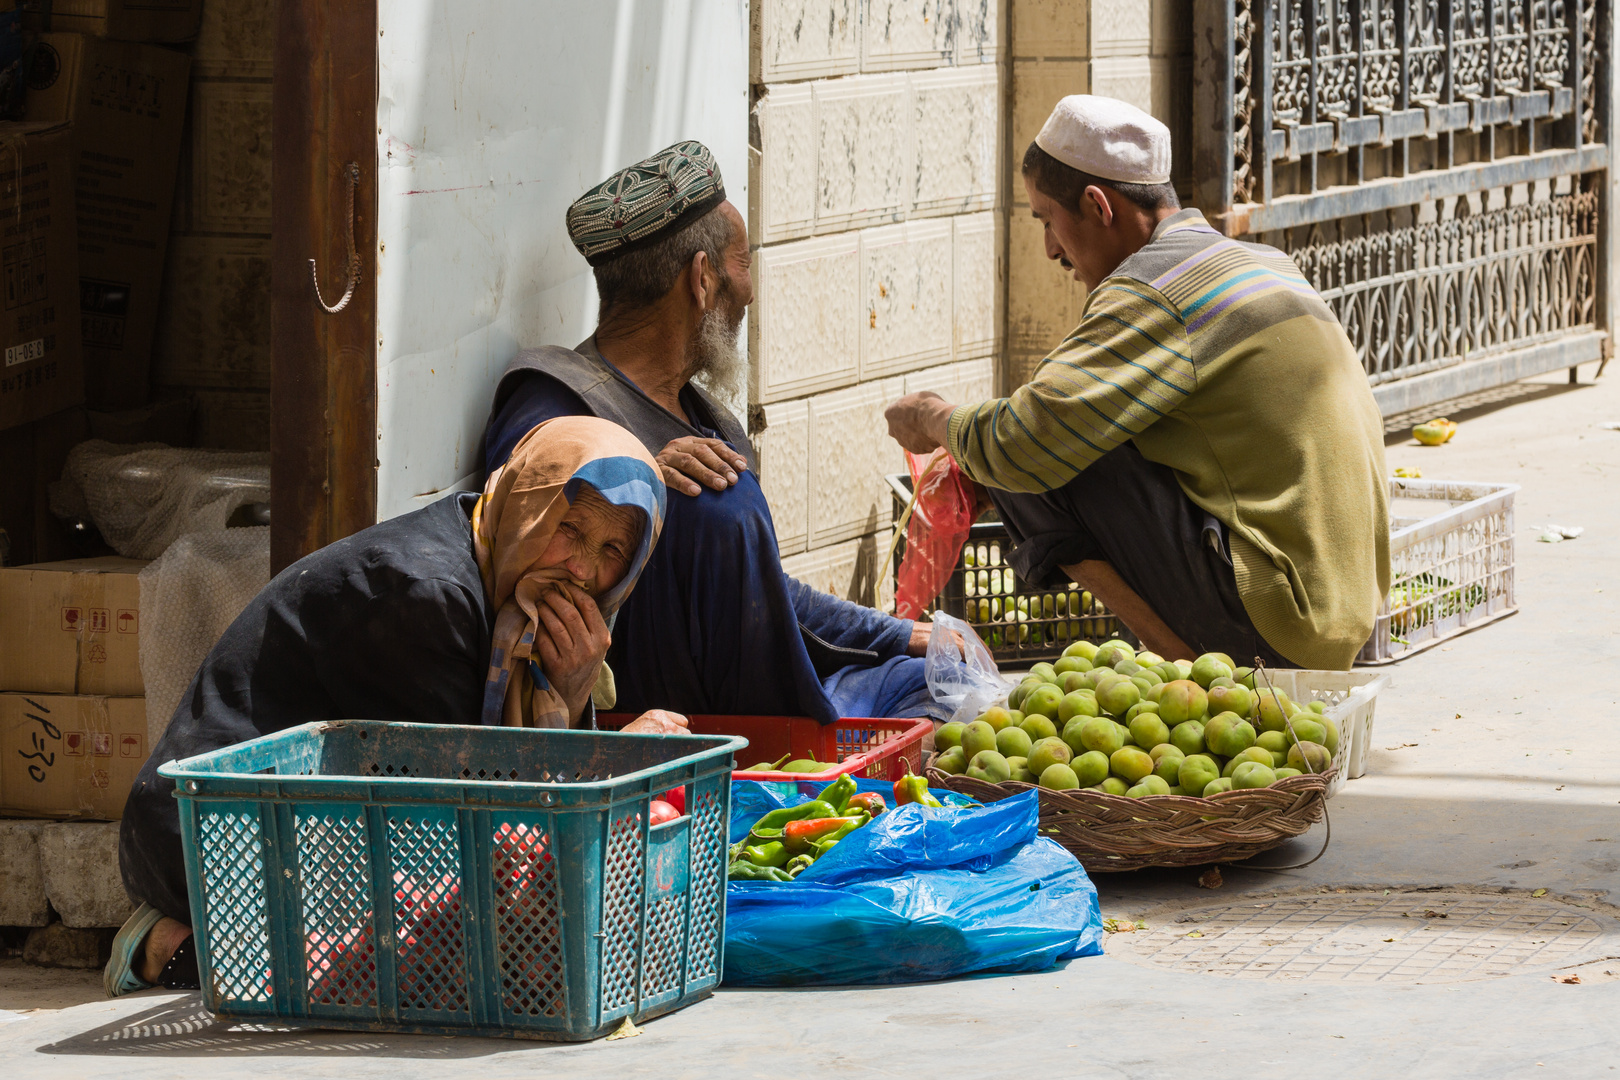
point(1494, 768)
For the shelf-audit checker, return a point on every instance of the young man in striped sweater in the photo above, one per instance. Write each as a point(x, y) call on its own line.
point(1202, 452)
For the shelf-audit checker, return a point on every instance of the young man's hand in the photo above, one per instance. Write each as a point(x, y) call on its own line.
point(691, 460)
point(919, 422)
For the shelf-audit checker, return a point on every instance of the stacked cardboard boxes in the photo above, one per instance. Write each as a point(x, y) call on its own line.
point(72, 711)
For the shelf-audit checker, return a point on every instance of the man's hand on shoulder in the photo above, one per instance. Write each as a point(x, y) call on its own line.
point(919, 422)
point(692, 460)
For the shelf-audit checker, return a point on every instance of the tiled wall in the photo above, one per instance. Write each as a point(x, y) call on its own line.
point(878, 219)
point(1139, 51)
point(213, 338)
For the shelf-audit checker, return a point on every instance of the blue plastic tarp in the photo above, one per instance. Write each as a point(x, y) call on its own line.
point(918, 894)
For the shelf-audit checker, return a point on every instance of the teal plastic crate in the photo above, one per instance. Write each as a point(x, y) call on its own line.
point(455, 880)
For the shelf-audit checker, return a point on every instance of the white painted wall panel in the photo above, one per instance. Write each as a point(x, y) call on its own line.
point(492, 118)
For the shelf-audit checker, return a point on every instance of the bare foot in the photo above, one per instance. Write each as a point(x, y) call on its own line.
point(161, 942)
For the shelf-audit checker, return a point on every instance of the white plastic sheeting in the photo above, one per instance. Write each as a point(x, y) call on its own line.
point(189, 597)
point(492, 117)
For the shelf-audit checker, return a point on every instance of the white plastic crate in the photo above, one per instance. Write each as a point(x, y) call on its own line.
point(1349, 698)
point(1450, 571)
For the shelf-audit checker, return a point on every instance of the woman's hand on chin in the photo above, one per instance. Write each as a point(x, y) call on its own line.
point(657, 722)
point(573, 642)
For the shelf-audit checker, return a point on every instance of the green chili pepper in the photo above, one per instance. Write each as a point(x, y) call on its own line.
point(799, 864)
point(797, 836)
point(868, 801)
point(763, 833)
point(837, 793)
point(825, 843)
point(768, 854)
point(747, 871)
point(913, 789)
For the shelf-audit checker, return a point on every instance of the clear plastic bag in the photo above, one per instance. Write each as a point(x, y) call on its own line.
point(941, 518)
point(967, 684)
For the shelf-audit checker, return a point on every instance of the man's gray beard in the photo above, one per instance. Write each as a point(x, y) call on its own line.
point(713, 356)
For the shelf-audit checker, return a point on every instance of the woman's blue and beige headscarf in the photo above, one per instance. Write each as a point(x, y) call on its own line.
point(523, 503)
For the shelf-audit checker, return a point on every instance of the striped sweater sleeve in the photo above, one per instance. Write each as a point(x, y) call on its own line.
point(1126, 365)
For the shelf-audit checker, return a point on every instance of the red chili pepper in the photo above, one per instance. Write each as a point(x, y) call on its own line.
point(870, 802)
point(913, 789)
point(798, 835)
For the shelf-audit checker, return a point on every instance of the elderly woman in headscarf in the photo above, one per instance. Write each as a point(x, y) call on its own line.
point(479, 609)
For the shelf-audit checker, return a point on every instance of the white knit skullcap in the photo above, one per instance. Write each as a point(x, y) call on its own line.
point(1109, 139)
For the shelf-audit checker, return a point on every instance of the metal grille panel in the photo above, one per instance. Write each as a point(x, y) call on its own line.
point(1424, 295)
point(232, 849)
point(334, 875)
point(621, 912)
point(426, 858)
point(528, 925)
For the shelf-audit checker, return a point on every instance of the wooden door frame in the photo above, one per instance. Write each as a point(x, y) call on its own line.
point(323, 390)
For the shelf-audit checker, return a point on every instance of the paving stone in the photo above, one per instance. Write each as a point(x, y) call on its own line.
point(80, 861)
point(59, 945)
point(22, 885)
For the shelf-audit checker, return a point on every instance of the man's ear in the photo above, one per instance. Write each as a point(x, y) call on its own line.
point(703, 280)
point(1099, 202)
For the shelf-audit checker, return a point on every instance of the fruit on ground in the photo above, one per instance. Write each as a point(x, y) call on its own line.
point(989, 766)
point(1168, 763)
point(950, 735)
point(1315, 753)
point(1044, 700)
point(1188, 737)
point(1228, 734)
point(1276, 743)
point(1252, 774)
point(1167, 671)
point(1046, 672)
point(1091, 768)
point(1149, 785)
point(1306, 728)
point(1141, 707)
point(1013, 742)
point(1071, 734)
point(1078, 703)
point(1209, 667)
point(1113, 786)
point(1070, 681)
point(1116, 696)
point(1110, 653)
point(1197, 772)
point(1038, 727)
point(1015, 699)
point(1215, 787)
point(1182, 700)
point(1102, 734)
point(978, 736)
point(1131, 762)
point(1059, 777)
point(1067, 663)
point(1233, 699)
point(1083, 649)
point(953, 761)
point(1049, 752)
point(1148, 731)
point(1253, 754)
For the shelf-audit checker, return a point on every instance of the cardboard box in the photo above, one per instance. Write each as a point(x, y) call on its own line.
point(70, 756)
point(127, 105)
point(42, 371)
point(125, 20)
point(72, 627)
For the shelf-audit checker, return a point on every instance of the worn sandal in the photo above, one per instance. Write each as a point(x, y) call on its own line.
point(119, 978)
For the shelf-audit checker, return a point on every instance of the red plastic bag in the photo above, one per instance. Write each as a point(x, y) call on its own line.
point(946, 505)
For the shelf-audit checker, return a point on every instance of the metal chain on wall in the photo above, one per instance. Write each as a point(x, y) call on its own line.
point(1433, 166)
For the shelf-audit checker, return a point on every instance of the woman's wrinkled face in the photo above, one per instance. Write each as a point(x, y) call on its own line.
point(594, 543)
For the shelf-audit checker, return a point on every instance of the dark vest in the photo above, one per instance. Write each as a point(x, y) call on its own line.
point(611, 396)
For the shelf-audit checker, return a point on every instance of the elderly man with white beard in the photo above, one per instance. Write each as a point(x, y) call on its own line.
point(715, 626)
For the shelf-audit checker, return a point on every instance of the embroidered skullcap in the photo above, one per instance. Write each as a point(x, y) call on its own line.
point(1109, 139)
point(640, 205)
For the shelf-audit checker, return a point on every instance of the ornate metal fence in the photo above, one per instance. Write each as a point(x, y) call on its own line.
point(1433, 165)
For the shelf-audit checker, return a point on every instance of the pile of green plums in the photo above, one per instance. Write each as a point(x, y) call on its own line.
point(1108, 718)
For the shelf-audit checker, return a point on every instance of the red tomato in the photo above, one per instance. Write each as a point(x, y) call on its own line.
point(660, 811)
point(676, 797)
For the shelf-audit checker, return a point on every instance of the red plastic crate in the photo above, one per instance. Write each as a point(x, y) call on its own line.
point(867, 748)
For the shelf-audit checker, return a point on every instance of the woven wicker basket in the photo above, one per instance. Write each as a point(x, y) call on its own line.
point(1110, 833)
